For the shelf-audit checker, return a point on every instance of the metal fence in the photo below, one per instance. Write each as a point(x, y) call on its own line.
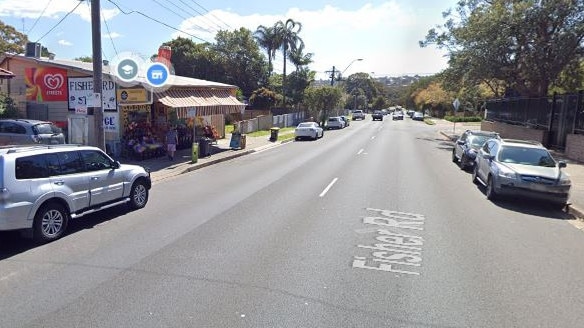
point(268, 121)
point(560, 115)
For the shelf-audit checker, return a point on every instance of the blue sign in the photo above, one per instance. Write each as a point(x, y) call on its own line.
point(157, 74)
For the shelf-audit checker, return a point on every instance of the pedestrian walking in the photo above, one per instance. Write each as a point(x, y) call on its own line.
point(171, 141)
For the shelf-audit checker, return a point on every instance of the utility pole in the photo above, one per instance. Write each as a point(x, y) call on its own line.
point(332, 76)
point(97, 74)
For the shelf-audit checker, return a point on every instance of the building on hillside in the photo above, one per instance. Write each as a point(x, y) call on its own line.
point(61, 91)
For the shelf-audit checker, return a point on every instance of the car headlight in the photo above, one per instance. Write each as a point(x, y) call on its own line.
point(564, 181)
point(507, 173)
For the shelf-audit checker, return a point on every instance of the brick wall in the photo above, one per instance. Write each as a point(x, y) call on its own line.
point(575, 147)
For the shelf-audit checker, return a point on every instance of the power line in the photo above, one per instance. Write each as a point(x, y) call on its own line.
point(172, 11)
point(157, 21)
point(182, 9)
point(38, 18)
point(200, 13)
point(58, 23)
point(109, 34)
point(217, 18)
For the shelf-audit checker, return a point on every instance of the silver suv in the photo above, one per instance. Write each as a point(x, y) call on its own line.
point(42, 187)
point(25, 132)
point(521, 168)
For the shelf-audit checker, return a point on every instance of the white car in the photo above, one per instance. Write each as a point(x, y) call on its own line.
point(308, 130)
point(335, 123)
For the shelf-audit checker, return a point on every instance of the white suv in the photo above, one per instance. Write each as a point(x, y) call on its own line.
point(42, 187)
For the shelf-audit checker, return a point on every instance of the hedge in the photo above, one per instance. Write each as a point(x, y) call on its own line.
point(463, 118)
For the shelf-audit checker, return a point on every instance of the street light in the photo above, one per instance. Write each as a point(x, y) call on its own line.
point(341, 73)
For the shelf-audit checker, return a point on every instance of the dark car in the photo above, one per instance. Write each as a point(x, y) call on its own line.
point(468, 144)
point(377, 115)
point(418, 116)
point(26, 132)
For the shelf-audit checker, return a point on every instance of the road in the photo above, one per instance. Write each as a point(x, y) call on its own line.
point(370, 226)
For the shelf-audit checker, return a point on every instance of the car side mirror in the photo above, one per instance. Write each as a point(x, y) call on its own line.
point(562, 164)
point(116, 165)
point(460, 142)
point(488, 156)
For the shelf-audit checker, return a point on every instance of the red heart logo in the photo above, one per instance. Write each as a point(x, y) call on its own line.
point(54, 81)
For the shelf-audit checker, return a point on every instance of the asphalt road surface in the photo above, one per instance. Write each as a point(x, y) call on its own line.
point(370, 226)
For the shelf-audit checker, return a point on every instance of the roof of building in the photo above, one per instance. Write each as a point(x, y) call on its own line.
point(5, 74)
point(174, 80)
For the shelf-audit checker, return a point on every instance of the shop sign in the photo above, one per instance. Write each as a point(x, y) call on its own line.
point(110, 122)
point(81, 93)
point(136, 108)
point(134, 96)
point(45, 84)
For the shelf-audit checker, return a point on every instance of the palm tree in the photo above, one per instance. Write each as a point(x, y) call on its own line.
point(289, 39)
point(268, 39)
point(299, 58)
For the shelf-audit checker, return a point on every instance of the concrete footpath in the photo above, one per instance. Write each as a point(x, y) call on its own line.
point(162, 168)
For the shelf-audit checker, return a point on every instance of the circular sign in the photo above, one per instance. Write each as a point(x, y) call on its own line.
point(157, 74)
point(127, 69)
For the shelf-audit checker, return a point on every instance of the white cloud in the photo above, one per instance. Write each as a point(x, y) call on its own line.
point(64, 43)
point(386, 37)
point(113, 35)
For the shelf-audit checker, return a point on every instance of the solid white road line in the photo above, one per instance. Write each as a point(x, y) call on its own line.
point(328, 187)
point(360, 151)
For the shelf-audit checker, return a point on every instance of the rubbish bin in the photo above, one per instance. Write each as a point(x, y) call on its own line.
point(204, 147)
point(274, 134)
point(195, 155)
point(242, 142)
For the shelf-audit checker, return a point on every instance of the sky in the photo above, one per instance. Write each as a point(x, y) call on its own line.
point(385, 35)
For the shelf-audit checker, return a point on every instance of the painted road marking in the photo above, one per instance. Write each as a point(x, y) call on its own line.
point(396, 252)
point(372, 137)
point(360, 151)
point(328, 187)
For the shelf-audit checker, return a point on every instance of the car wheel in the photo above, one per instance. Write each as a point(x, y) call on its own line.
point(491, 194)
point(296, 138)
point(559, 205)
point(50, 222)
point(138, 195)
point(315, 136)
point(475, 174)
point(463, 162)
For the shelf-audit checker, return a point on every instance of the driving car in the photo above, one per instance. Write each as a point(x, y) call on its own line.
point(418, 116)
point(510, 167)
point(26, 132)
point(468, 144)
point(377, 115)
point(358, 115)
point(397, 115)
point(45, 186)
point(308, 130)
point(335, 122)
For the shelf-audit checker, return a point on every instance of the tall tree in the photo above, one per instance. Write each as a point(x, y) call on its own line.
point(299, 58)
point(321, 101)
point(241, 59)
point(268, 40)
point(526, 44)
point(11, 41)
point(289, 39)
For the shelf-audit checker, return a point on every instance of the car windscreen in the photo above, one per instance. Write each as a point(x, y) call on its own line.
point(526, 156)
point(46, 128)
point(304, 125)
point(478, 141)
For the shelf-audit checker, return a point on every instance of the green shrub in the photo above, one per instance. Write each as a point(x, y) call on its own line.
point(463, 118)
point(8, 108)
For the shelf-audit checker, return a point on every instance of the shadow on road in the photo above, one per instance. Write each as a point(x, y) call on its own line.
point(13, 243)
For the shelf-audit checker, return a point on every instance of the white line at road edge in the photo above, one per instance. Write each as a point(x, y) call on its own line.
point(328, 187)
point(372, 137)
point(360, 151)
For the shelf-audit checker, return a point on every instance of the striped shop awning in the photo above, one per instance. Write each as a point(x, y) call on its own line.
point(205, 101)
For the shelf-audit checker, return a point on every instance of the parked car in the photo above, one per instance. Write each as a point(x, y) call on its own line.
point(468, 144)
point(358, 115)
point(510, 167)
point(308, 130)
point(397, 115)
point(27, 132)
point(377, 115)
point(43, 187)
point(346, 120)
point(335, 122)
point(418, 116)
point(410, 113)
